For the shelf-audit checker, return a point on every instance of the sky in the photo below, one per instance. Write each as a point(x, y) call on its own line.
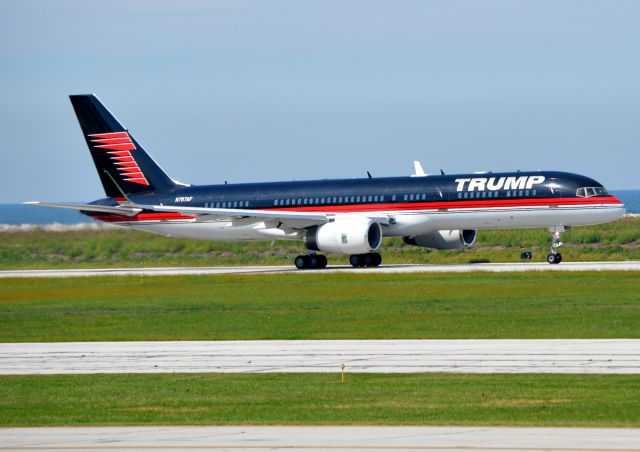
point(249, 91)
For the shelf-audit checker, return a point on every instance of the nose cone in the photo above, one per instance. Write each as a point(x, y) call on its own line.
point(620, 205)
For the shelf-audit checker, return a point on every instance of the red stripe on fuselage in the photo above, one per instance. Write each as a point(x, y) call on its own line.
point(158, 216)
point(481, 203)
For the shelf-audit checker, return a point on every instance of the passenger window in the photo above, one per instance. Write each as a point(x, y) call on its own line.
point(381, 198)
point(375, 198)
point(533, 192)
point(393, 198)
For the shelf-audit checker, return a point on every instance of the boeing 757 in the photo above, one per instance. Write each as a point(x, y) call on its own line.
point(343, 216)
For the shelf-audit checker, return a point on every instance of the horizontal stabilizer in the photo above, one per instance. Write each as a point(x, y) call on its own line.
point(119, 210)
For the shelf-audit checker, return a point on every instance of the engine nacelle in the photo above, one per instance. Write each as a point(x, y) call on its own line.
point(444, 240)
point(350, 235)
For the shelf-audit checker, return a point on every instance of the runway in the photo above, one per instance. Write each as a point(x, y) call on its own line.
point(450, 439)
point(270, 269)
point(578, 356)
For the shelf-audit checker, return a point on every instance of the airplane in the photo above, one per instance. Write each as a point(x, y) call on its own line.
point(343, 216)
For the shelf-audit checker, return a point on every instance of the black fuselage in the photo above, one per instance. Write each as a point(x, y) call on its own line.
point(354, 192)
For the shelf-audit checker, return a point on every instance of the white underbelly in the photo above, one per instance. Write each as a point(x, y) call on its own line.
point(406, 222)
point(413, 223)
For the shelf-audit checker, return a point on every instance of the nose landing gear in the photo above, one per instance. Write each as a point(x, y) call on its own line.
point(554, 257)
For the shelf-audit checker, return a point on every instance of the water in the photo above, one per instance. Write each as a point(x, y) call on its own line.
point(25, 214)
point(630, 198)
point(21, 214)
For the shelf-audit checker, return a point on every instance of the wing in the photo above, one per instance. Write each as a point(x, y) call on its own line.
point(296, 220)
point(293, 219)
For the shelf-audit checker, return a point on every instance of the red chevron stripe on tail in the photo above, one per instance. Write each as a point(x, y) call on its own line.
point(120, 145)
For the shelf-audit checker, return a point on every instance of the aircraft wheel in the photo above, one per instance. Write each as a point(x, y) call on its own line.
point(300, 262)
point(558, 258)
point(355, 260)
point(322, 261)
point(313, 261)
point(377, 259)
point(368, 260)
point(551, 258)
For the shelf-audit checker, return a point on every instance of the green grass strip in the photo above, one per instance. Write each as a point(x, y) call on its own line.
point(322, 306)
point(296, 399)
point(38, 248)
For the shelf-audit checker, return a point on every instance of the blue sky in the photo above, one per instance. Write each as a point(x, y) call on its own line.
point(279, 90)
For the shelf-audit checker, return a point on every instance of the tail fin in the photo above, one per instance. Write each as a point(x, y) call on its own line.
point(117, 155)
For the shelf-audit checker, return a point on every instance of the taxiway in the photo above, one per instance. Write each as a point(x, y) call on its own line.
point(266, 269)
point(578, 356)
point(450, 439)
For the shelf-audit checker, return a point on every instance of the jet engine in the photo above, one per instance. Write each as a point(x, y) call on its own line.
point(454, 239)
point(350, 235)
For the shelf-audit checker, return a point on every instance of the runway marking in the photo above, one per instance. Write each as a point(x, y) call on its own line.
point(398, 268)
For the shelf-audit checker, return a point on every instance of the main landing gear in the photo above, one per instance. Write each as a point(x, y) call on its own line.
point(310, 261)
point(554, 257)
point(365, 260)
point(318, 261)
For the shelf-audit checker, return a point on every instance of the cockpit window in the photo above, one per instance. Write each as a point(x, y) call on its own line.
point(587, 192)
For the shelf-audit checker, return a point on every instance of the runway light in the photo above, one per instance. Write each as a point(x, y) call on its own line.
point(342, 366)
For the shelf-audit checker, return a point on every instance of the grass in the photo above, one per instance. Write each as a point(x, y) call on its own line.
point(322, 306)
point(294, 399)
point(123, 247)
